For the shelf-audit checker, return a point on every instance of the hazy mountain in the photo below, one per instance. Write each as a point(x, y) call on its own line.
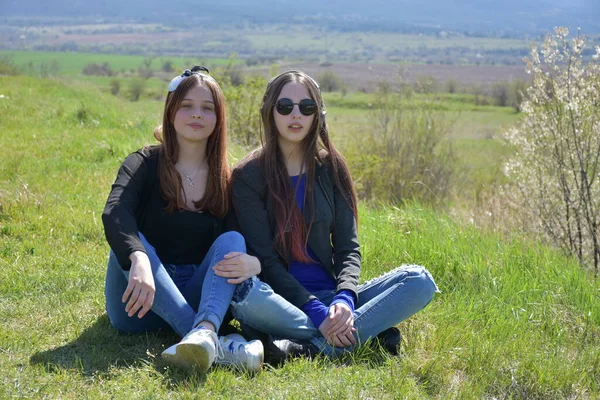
point(475, 16)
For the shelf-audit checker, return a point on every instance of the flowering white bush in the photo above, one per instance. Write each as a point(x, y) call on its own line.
point(557, 162)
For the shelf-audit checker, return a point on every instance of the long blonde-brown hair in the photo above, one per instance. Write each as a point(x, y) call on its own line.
point(292, 233)
point(217, 194)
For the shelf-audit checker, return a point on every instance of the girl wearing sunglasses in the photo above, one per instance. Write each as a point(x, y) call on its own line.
point(165, 222)
point(297, 208)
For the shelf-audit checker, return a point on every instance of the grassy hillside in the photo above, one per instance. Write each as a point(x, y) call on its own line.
point(514, 319)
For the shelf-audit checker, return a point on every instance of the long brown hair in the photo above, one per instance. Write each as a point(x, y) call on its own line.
point(217, 194)
point(292, 232)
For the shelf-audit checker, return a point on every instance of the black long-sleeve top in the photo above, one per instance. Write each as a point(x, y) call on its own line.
point(136, 205)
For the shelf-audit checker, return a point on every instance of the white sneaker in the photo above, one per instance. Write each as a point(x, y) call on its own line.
point(237, 352)
point(197, 348)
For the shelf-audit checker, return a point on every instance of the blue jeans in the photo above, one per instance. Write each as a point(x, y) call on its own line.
point(382, 303)
point(185, 294)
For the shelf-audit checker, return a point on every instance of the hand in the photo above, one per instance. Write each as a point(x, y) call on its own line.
point(342, 339)
point(341, 325)
point(237, 267)
point(323, 328)
point(140, 290)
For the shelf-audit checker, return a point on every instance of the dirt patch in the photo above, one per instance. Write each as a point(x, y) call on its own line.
point(361, 76)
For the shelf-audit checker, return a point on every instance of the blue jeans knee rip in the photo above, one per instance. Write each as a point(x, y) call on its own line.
point(240, 294)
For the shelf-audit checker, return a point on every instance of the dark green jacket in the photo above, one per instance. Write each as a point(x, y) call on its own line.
point(333, 237)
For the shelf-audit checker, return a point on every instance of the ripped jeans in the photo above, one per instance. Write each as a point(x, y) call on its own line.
point(382, 303)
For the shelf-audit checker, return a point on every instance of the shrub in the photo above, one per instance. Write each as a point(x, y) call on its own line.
point(556, 167)
point(500, 94)
point(329, 81)
point(97, 69)
point(82, 114)
point(252, 61)
point(145, 73)
point(518, 89)
point(232, 73)
point(49, 69)
point(8, 66)
point(480, 98)
point(426, 84)
point(406, 154)
point(235, 75)
point(147, 62)
point(168, 66)
point(452, 86)
point(115, 86)
point(136, 88)
point(243, 102)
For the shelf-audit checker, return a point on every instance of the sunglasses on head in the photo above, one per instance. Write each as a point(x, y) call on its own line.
point(285, 106)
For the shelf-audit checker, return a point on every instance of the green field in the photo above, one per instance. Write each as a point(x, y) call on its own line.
point(71, 64)
point(514, 320)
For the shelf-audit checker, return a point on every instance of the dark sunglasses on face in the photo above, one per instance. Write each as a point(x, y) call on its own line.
point(285, 106)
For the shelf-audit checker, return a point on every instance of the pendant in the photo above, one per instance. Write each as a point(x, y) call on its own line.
point(189, 179)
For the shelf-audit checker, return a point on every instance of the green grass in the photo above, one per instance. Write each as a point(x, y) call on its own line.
point(71, 64)
point(475, 132)
point(514, 319)
point(449, 102)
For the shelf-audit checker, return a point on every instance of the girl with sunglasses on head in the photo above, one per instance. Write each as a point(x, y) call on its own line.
point(166, 220)
point(296, 206)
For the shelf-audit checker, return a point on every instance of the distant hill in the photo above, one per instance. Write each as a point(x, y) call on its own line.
point(508, 17)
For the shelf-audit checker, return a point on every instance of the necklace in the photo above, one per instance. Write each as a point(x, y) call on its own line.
point(189, 178)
